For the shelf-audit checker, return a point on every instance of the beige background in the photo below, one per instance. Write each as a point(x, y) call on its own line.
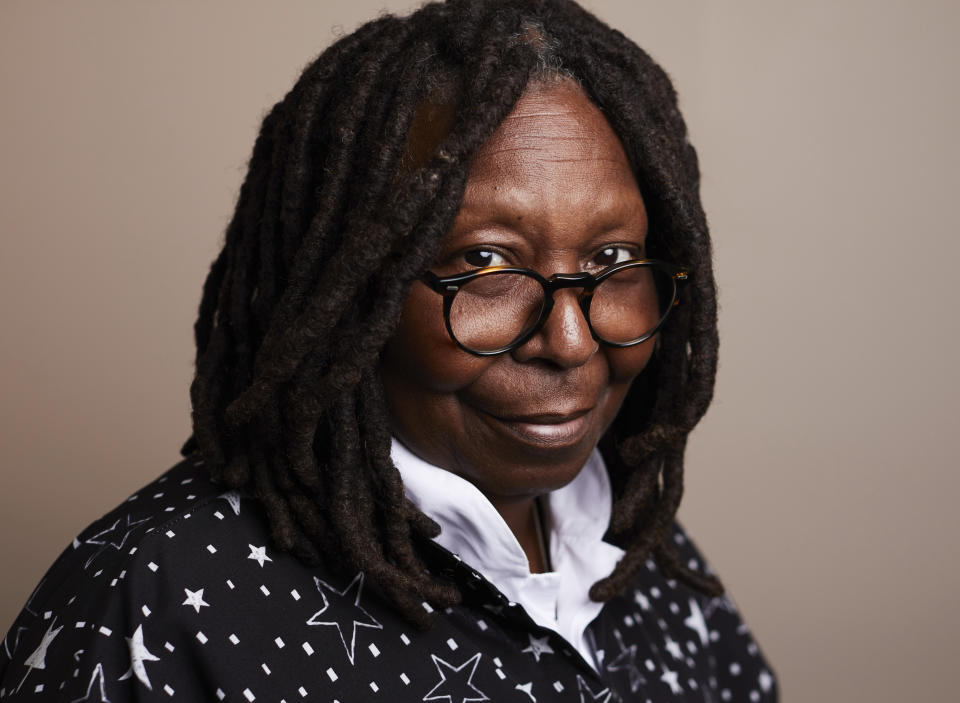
point(821, 484)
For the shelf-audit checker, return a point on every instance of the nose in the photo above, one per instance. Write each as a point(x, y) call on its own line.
point(564, 339)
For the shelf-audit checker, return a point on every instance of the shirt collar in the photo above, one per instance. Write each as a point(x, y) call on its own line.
point(577, 518)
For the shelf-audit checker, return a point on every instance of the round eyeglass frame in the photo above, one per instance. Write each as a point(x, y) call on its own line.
point(449, 286)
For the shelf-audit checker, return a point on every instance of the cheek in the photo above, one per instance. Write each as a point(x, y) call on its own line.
point(421, 354)
point(422, 372)
point(627, 363)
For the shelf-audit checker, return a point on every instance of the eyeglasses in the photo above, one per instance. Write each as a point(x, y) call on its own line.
point(492, 310)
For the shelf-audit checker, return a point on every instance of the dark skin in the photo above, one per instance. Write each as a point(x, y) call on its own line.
point(551, 190)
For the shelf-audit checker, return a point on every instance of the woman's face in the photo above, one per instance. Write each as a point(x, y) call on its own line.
point(552, 191)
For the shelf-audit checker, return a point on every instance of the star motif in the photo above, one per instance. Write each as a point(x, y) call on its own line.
point(347, 612)
point(538, 646)
point(696, 622)
point(719, 603)
point(233, 498)
point(38, 659)
point(603, 696)
point(258, 554)
point(627, 661)
point(195, 598)
point(96, 675)
point(641, 600)
point(674, 648)
point(460, 687)
point(670, 678)
point(33, 595)
point(528, 689)
point(138, 655)
point(16, 640)
point(103, 539)
point(766, 681)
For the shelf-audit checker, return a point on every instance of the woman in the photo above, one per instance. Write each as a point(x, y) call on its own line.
point(469, 251)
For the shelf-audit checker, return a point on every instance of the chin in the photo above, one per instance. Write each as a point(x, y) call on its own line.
point(525, 473)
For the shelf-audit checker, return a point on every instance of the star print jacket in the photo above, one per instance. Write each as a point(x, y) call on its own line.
point(178, 595)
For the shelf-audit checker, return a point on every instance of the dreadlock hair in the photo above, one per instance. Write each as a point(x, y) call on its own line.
point(333, 225)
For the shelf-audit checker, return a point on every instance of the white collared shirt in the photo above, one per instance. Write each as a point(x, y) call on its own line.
point(473, 529)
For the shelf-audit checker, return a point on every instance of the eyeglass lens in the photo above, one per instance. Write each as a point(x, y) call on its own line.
point(493, 311)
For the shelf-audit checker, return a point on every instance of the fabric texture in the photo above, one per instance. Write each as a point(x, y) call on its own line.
point(177, 595)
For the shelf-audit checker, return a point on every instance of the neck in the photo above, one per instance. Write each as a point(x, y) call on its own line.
point(520, 514)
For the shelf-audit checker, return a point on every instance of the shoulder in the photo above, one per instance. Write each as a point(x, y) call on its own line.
point(696, 642)
point(177, 594)
point(174, 522)
point(118, 601)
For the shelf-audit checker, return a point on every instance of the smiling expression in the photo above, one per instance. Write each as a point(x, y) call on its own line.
point(553, 191)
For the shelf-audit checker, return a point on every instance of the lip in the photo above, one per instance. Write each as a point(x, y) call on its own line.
point(550, 430)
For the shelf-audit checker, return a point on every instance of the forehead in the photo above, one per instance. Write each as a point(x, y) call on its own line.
point(558, 122)
point(555, 155)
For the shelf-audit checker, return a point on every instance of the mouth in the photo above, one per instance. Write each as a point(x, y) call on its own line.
point(548, 430)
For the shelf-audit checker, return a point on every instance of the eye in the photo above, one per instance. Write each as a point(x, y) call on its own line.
point(615, 254)
point(481, 258)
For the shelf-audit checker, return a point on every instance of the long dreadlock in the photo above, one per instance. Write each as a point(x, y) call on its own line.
point(332, 227)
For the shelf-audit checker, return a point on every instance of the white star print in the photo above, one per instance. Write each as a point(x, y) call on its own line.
point(101, 538)
point(538, 646)
point(38, 660)
point(138, 655)
point(670, 678)
point(674, 648)
point(33, 595)
point(233, 498)
point(696, 622)
point(766, 681)
point(258, 554)
point(462, 686)
point(627, 661)
point(96, 675)
point(528, 689)
point(603, 696)
point(195, 598)
point(16, 640)
point(719, 603)
point(344, 612)
point(642, 600)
